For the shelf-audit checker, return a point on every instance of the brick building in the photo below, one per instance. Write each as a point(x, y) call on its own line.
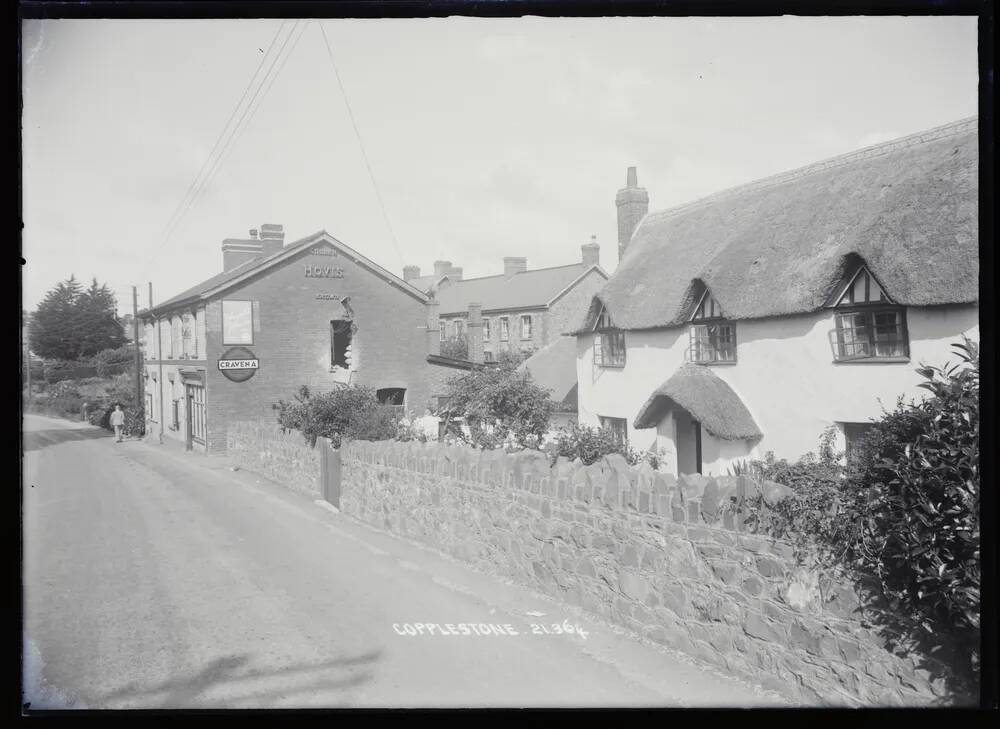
point(314, 312)
point(522, 310)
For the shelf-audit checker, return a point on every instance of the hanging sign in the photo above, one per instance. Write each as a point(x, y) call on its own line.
point(238, 364)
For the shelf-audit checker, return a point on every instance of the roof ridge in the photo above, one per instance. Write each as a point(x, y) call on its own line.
point(530, 270)
point(875, 150)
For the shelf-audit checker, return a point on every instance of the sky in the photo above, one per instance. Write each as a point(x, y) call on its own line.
point(485, 137)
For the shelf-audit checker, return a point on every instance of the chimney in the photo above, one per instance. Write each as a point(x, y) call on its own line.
point(632, 202)
point(591, 252)
point(475, 332)
point(411, 272)
point(237, 251)
point(455, 273)
point(253, 234)
point(272, 238)
point(513, 265)
point(433, 326)
point(441, 268)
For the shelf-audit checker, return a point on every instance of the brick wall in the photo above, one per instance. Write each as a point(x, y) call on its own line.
point(644, 551)
point(283, 457)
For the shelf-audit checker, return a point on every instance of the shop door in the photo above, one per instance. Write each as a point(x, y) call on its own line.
point(195, 399)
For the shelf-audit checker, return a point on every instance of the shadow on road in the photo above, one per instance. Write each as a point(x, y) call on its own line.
point(37, 439)
point(240, 685)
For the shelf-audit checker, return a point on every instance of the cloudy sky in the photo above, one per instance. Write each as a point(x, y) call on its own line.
point(487, 138)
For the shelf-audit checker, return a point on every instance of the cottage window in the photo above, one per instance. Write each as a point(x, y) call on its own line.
point(869, 326)
point(459, 328)
point(237, 322)
point(870, 334)
point(341, 336)
point(504, 329)
point(712, 338)
point(442, 329)
point(486, 330)
point(609, 342)
point(526, 326)
point(617, 427)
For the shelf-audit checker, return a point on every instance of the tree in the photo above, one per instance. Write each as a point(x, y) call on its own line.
point(500, 405)
point(456, 347)
point(71, 323)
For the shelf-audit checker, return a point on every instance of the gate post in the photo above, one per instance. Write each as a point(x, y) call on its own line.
point(329, 472)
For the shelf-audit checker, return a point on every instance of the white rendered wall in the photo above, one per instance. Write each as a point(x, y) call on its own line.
point(785, 376)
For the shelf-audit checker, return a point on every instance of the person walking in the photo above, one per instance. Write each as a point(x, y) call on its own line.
point(118, 421)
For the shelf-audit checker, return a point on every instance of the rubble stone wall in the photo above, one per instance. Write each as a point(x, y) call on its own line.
point(283, 457)
point(645, 551)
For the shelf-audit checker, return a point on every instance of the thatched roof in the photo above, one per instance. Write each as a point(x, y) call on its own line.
point(908, 208)
point(707, 397)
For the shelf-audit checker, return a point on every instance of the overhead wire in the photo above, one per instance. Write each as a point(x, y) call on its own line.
point(168, 229)
point(361, 145)
point(240, 126)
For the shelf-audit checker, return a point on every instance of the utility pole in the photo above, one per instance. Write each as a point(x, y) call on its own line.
point(159, 357)
point(27, 353)
point(135, 333)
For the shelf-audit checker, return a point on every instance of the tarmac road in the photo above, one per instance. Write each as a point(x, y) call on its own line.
point(155, 578)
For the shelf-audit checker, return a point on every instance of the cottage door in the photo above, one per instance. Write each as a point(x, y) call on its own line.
point(195, 401)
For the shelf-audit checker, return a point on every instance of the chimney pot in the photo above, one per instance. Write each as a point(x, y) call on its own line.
point(455, 273)
point(411, 272)
point(272, 237)
point(632, 179)
point(441, 268)
point(253, 234)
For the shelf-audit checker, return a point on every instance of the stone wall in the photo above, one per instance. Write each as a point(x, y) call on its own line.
point(642, 550)
point(283, 457)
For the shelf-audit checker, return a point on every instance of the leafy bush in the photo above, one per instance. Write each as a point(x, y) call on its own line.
point(110, 362)
point(912, 507)
point(591, 444)
point(350, 412)
point(59, 370)
point(501, 407)
point(64, 399)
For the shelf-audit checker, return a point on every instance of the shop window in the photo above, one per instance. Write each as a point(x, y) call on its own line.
point(237, 322)
point(341, 339)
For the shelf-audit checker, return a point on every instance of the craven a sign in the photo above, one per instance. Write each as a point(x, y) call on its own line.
point(238, 364)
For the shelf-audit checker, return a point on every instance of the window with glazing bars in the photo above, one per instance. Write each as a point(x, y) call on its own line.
point(609, 343)
point(712, 339)
point(870, 334)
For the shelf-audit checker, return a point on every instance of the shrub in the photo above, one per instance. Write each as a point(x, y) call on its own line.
point(500, 406)
point(113, 361)
point(591, 444)
point(351, 412)
point(60, 370)
point(912, 508)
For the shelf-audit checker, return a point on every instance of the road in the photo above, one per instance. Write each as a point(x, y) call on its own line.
point(154, 578)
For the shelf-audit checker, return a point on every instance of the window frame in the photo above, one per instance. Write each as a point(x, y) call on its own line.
point(698, 343)
point(504, 328)
point(526, 318)
point(487, 332)
point(226, 342)
point(607, 422)
point(838, 344)
point(606, 337)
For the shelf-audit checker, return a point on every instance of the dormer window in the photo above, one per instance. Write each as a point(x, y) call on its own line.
point(712, 338)
point(609, 342)
point(869, 325)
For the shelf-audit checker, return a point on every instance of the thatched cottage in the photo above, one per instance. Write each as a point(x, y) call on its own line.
point(752, 319)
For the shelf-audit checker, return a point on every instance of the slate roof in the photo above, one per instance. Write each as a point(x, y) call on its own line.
point(554, 367)
point(217, 284)
point(524, 290)
point(908, 208)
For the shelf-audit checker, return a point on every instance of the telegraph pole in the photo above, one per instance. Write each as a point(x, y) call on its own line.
point(159, 356)
point(27, 354)
point(135, 333)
